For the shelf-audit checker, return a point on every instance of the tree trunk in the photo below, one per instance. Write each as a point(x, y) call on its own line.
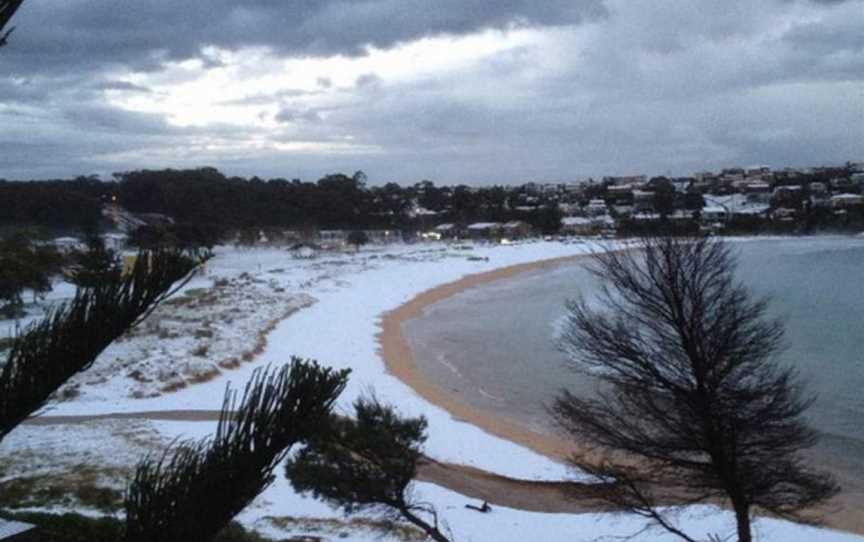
point(430, 530)
point(742, 518)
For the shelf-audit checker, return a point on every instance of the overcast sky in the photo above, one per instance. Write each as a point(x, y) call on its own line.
point(496, 91)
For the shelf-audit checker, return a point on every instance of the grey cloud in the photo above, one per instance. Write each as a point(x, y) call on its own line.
point(368, 80)
point(655, 86)
point(87, 34)
point(97, 117)
point(122, 85)
point(292, 114)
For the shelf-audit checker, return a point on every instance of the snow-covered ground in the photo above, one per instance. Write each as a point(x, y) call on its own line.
point(342, 296)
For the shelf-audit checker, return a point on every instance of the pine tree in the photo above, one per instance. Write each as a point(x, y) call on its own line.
point(97, 265)
point(70, 338)
point(193, 491)
point(367, 464)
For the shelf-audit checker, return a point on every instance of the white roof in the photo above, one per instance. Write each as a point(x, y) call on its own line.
point(514, 223)
point(484, 226)
point(646, 216)
point(849, 197)
point(9, 529)
point(575, 221)
point(734, 203)
point(444, 227)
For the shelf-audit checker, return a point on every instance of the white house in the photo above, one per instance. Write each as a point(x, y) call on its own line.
point(843, 201)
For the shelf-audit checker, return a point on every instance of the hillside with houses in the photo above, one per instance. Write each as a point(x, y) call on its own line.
point(203, 206)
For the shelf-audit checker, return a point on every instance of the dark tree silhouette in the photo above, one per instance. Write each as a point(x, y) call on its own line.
point(367, 463)
point(358, 238)
point(689, 391)
point(24, 264)
point(192, 491)
point(73, 334)
point(97, 265)
point(7, 10)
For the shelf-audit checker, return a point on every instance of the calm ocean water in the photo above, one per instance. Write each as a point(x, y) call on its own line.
point(495, 344)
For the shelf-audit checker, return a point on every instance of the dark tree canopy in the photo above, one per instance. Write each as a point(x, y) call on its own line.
point(358, 238)
point(367, 463)
point(191, 492)
point(24, 265)
point(689, 387)
point(59, 205)
point(97, 265)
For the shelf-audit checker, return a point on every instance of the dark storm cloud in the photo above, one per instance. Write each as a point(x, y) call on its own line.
point(86, 34)
point(618, 86)
point(97, 117)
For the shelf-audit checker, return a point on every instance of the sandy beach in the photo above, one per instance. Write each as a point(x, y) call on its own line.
point(843, 513)
point(399, 358)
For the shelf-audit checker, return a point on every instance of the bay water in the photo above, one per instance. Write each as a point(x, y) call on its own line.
point(495, 345)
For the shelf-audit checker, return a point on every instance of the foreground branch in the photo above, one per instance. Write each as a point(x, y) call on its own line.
point(70, 338)
point(193, 490)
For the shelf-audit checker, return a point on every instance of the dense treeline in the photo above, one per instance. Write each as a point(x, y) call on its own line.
point(209, 201)
point(205, 196)
point(56, 204)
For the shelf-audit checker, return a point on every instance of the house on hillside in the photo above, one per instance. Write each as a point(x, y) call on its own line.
point(596, 207)
point(333, 238)
point(115, 241)
point(447, 231)
point(841, 183)
point(516, 229)
point(784, 214)
point(65, 245)
point(623, 192)
point(846, 201)
point(643, 201)
point(383, 236)
point(484, 231)
point(757, 192)
point(714, 213)
point(577, 225)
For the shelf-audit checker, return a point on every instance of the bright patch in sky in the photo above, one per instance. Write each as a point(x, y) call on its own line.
point(248, 87)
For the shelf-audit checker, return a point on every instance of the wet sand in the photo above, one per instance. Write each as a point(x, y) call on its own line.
point(843, 513)
point(399, 359)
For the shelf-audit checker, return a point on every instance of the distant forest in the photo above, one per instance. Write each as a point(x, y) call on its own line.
point(207, 197)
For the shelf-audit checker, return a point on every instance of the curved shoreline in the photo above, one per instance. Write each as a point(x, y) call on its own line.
point(398, 357)
point(399, 360)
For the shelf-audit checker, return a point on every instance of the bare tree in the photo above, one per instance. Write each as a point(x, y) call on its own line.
point(691, 404)
point(7, 10)
point(367, 463)
point(192, 491)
